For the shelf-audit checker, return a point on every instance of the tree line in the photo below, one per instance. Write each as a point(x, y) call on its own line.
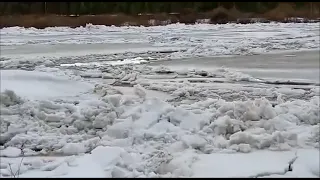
point(132, 8)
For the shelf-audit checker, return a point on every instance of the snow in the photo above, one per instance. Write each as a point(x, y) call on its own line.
point(10, 152)
point(73, 149)
point(153, 123)
point(47, 85)
point(255, 163)
point(94, 118)
point(177, 41)
point(125, 61)
point(193, 141)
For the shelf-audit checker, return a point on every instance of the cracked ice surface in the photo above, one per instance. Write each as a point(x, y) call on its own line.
point(173, 41)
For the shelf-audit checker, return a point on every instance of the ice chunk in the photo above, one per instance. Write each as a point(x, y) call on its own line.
point(139, 91)
point(226, 106)
point(146, 120)
point(242, 138)
point(81, 125)
point(119, 172)
point(252, 113)
point(225, 125)
point(266, 109)
point(220, 142)
point(48, 63)
point(120, 130)
point(107, 76)
point(10, 152)
point(107, 156)
point(100, 122)
point(9, 98)
point(57, 117)
point(178, 115)
point(73, 148)
point(194, 141)
point(245, 148)
point(282, 122)
point(115, 100)
point(29, 152)
point(104, 119)
point(162, 127)
point(188, 120)
point(290, 91)
point(177, 147)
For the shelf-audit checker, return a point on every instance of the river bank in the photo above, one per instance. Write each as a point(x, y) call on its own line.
point(220, 15)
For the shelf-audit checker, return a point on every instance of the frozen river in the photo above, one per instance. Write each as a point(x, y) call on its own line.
point(303, 66)
point(164, 101)
point(186, 45)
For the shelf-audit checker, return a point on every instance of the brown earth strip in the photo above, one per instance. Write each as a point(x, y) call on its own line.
point(219, 15)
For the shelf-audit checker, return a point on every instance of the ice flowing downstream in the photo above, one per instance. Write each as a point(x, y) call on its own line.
point(166, 101)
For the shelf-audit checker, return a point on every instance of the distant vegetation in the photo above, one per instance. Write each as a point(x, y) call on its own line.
point(132, 8)
point(75, 14)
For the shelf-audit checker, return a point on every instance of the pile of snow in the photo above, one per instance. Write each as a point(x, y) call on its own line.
point(139, 135)
point(48, 126)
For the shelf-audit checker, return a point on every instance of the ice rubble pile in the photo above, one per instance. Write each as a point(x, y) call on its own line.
point(106, 71)
point(149, 137)
point(72, 127)
point(129, 72)
point(197, 40)
point(196, 84)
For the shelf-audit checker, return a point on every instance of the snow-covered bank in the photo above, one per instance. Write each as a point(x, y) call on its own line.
point(304, 163)
point(114, 161)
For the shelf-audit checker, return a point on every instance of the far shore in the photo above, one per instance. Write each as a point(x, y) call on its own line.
point(73, 21)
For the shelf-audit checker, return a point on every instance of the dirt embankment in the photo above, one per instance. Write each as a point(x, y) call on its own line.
point(219, 15)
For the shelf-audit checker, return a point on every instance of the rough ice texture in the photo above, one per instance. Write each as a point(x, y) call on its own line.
point(52, 126)
point(73, 148)
point(147, 136)
point(194, 40)
point(9, 98)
